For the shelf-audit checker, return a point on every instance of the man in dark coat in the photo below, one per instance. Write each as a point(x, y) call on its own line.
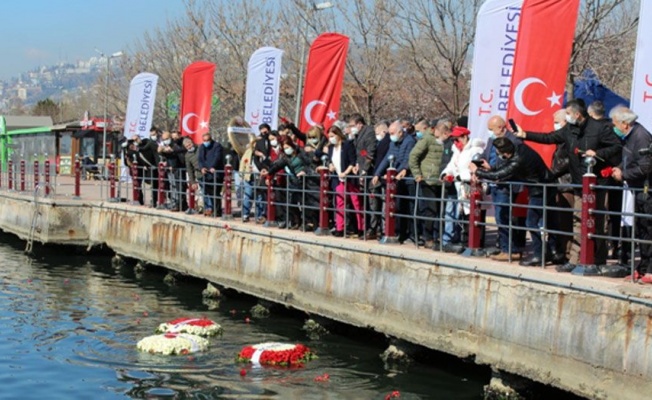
point(148, 160)
point(583, 137)
point(375, 225)
point(522, 164)
point(212, 170)
point(634, 171)
point(502, 193)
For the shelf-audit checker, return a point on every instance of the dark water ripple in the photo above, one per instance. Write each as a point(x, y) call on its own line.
point(69, 325)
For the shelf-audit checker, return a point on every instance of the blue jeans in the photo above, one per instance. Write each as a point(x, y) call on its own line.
point(533, 222)
point(247, 197)
point(451, 218)
point(503, 216)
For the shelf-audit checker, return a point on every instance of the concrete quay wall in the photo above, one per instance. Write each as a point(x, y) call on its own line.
point(593, 340)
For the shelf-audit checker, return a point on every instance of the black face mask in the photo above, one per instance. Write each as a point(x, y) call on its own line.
point(503, 157)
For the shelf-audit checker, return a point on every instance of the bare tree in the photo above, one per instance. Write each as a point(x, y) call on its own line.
point(435, 38)
point(605, 40)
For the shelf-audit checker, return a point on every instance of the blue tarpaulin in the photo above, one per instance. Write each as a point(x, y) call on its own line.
point(589, 89)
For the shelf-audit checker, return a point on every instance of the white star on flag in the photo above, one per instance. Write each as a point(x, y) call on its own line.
point(203, 125)
point(554, 99)
point(331, 115)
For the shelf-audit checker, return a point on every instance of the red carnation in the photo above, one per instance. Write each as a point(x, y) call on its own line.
point(606, 172)
point(363, 153)
point(449, 178)
point(577, 151)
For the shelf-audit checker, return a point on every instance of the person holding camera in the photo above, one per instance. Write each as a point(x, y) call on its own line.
point(634, 171)
point(522, 164)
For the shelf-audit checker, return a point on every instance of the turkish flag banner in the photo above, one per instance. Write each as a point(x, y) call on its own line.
point(543, 50)
point(324, 78)
point(196, 97)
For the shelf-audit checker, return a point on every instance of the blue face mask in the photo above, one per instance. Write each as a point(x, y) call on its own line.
point(206, 144)
point(393, 138)
point(419, 135)
point(620, 133)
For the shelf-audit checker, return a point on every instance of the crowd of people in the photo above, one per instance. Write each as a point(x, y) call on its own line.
point(437, 164)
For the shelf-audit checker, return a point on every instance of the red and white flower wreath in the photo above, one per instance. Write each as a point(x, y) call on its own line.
point(282, 354)
point(193, 326)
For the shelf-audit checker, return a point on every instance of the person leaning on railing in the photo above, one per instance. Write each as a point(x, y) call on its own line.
point(522, 164)
point(148, 161)
point(583, 137)
point(212, 170)
point(247, 178)
point(295, 168)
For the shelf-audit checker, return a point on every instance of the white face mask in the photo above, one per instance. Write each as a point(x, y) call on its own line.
point(439, 141)
point(274, 143)
point(288, 151)
point(313, 140)
point(379, 137)
point(333, 140)
point(571, 120)
point(492, 135)
point(557, 126)
point(153, 137)
point(167, 142)
point(354, 130)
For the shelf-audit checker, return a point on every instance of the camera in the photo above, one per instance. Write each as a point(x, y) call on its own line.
point(645, 151)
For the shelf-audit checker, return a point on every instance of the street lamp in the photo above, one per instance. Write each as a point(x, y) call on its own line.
point(106, 97)
point(315, 7)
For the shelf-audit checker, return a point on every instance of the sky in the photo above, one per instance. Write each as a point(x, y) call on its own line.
point(46, 32)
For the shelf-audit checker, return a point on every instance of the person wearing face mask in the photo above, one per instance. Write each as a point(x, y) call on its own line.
point(212, 170)
point(260, 157)
point(400, 148)
point(451, 236)
point(464, 150)
point(148, 159)
point(425, 163)
point(564, 197)
point(522, 164)
point(172, 154)
point(501, 194)
point(192, 167)
point(341, 153)
point(277, 180)
point(634, 171)
point(583, 137)
point(375, 226)
point(295, 168)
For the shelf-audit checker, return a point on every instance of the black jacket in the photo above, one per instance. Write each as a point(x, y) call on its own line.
point(636, 168)
point(382, 147)
point(211, 157)
point(347, 159)
point(365, 146)
point(446, 157)
point(148, 154)
point(589, 135)
point(262, 145)
point(525, 166)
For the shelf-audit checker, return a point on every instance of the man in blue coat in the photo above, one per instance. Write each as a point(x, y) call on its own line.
point(212, 170)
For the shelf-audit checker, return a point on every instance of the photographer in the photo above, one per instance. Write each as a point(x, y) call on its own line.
point(523, 164)
point(634, 171)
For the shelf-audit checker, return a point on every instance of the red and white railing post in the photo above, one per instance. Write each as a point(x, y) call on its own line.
point(112, 183)
point(161, 185)
point(78, 171)
point(228, 188)
point(390, 204)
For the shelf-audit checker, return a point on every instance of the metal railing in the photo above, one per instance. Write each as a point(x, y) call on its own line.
point(318, 201)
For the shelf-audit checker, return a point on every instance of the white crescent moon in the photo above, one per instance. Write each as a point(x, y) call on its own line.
point(184, 123)
point(307, 114)
point(518, 95)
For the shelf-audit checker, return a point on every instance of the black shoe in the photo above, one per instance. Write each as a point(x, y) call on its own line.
point(614, 271)
point(281, 225)
point(453, 248)
point(338, 233)
point(531, 262)
point(245, 219)
point(568, 267)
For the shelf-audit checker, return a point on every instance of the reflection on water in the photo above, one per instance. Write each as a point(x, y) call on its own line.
point(69, 325)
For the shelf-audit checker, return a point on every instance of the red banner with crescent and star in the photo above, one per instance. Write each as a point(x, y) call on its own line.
point(324, 78)
point(196, 97)
point(543, 50)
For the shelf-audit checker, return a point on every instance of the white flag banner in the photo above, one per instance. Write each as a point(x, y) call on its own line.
point(140, 105)
point(493, 58)
point(641, 101)
point(263, 81)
